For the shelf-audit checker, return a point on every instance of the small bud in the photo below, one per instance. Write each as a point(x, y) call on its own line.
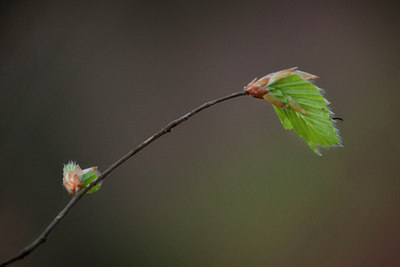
point(74, 178)
point(71, 178)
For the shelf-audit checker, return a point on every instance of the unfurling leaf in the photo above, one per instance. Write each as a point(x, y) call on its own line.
point(74, 178)
point(299, 105)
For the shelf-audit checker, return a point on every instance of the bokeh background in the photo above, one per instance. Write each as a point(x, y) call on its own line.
point(89, 80)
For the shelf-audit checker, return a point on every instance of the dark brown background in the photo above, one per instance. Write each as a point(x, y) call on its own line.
point(87, 81)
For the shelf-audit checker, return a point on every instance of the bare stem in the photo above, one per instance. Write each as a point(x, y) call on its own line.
point(43, 236)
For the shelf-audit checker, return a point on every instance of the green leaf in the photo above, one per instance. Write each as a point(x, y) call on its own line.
point(94, 189)
point(313, 123)
point(89, 175)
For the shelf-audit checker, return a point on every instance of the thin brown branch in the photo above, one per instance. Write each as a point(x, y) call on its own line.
point(43, 236)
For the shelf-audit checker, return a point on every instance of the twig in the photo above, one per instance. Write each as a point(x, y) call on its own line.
point(43, 236)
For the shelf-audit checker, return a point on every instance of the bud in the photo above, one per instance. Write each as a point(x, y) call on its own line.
point(74, 178)
point(258, 88)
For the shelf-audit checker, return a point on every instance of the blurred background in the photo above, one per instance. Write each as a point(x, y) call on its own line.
point(89, 80)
